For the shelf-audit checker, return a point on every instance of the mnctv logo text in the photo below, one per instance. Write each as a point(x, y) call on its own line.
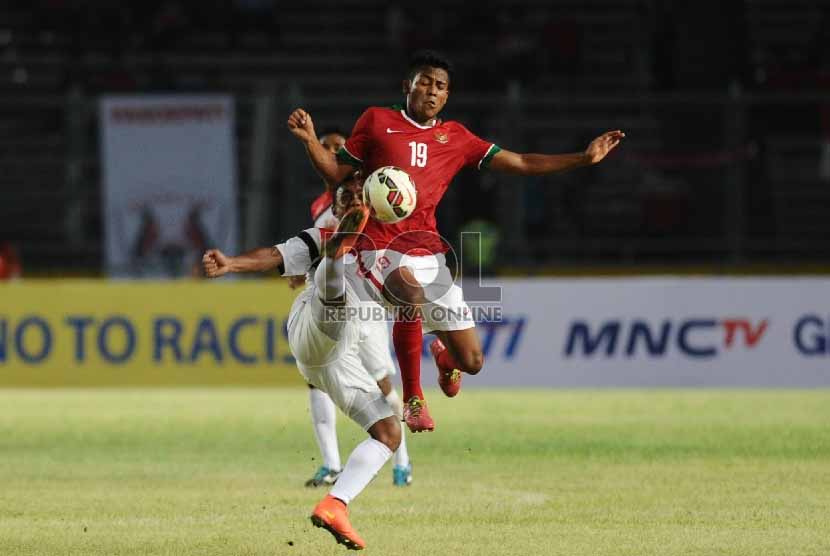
point(694, 337)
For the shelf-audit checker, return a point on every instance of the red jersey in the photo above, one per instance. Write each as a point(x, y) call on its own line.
point(431, 155)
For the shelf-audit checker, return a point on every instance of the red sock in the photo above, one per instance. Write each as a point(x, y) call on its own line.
point(446, 361)
point(407, 337)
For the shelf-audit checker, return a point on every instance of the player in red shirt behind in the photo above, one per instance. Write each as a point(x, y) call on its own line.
point(10, 267)
point(405, 262)
point(321, 208)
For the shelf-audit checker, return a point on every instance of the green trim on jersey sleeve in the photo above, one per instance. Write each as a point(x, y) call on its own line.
point(491, 152)
point(396, 107)
point(345, 157)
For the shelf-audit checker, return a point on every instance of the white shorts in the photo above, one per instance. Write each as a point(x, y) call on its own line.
point(445, 309)
point(374, 349)
point(333, 364)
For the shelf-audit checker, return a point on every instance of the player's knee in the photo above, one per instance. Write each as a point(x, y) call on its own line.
point(388, 432)
point(472, 361)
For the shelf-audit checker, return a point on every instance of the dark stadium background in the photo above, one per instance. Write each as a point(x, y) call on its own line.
point(656, 336)
point(725, 105)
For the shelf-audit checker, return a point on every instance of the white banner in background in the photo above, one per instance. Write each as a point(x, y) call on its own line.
point(641, 332)
point(169, 182)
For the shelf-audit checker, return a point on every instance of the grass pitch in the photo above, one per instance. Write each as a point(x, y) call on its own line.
point(210, 472)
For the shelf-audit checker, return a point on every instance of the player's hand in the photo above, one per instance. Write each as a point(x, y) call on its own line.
point(602, 145)
point(301, 125)
point(215, 263)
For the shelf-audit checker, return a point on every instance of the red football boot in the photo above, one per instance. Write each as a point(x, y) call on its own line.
point(416, 415)
point(448, 379)
point(332, 515)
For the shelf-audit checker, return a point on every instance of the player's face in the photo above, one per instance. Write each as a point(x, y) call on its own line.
point(427, 93)
point(332, 142)
point(349, 196)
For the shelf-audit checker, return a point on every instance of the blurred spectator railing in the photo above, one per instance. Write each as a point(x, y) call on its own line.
point(701, 178)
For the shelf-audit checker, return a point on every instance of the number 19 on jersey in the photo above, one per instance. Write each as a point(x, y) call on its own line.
point(419, 154)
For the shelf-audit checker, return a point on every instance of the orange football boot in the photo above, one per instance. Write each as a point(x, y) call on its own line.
point(332, 515)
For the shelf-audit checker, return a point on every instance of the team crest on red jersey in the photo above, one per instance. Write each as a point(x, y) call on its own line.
point(442, 137)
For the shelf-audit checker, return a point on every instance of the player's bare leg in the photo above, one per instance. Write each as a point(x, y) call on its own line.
point(456, 351)
point(464, 350)
point(363, 464)
point(402, 289)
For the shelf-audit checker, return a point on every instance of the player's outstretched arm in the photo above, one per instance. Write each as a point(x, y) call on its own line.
point(216, 264)
point(540, 164)
point(324, 162)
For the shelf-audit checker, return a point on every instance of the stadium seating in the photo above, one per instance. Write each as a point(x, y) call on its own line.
point(580, 66)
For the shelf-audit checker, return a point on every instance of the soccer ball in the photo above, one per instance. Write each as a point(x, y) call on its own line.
point(390, 194)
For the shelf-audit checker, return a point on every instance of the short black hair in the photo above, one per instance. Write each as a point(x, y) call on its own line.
point(428, 59)
point(331, 131)
point(349, 177)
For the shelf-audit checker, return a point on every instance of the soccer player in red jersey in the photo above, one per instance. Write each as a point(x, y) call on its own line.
point(405, 262)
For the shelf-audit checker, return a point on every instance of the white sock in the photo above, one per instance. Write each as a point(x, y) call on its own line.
point(362, 466)
point(401, 458)
point(324, 420)
point(401, 454)
point(394, 400)
point(331, 285)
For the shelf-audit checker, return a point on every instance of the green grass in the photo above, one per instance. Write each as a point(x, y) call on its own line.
point(210, 472)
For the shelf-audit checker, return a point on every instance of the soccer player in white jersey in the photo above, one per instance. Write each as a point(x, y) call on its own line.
point(324, 338)
point(321, 408)
point(376, 359)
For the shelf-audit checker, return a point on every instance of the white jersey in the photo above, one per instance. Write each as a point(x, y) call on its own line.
point(332, 363)
point(300, 254)
point(328, 356)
